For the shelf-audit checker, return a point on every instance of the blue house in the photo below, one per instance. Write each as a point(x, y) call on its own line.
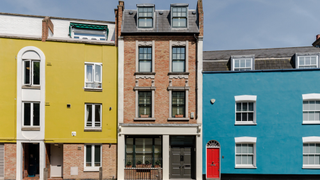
point(261, 113)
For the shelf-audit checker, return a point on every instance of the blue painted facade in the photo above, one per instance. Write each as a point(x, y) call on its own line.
point(279, 128)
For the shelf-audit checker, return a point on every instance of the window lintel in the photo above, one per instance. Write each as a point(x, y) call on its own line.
point(311, 139)
point(245, 139)
point(311, 96)
point(240, 98)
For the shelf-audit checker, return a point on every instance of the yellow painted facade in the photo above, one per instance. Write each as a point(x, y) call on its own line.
point(65, 72)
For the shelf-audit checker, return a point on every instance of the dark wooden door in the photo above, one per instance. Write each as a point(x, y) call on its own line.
point(180, 162)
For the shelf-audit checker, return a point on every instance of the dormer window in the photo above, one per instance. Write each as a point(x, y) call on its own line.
point(307, 60)
point(179, 17)
point(145, 17)
point(242, 63)
point(89, 31)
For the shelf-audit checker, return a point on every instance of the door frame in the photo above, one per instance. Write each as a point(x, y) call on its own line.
point(213, 144)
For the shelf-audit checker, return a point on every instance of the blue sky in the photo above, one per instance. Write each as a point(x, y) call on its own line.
point(229, 24)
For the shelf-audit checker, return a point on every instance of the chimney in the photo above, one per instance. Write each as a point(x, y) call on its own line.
point(200, 16)
point(118, 21)
point(47, 28)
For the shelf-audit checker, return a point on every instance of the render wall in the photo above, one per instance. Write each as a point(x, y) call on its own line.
point(279, 128)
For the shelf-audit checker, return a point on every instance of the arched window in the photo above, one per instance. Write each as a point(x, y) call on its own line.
point(213, 144)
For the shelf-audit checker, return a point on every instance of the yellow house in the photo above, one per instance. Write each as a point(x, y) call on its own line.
point(59, 102)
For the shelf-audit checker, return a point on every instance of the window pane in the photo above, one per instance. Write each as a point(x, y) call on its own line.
point(238, 117)
point(317, 159)
point(238, 159)
point(312, 105)
point(97, 115)
point(179, 22)
point(305, 148)
point(27, 72)
point(250, 148)
point(248, 63)
point(89, 75)
point(238, 106)
point(98, 73)
point(305, 116)
point(88, 156)
point(305, 105)
point(244, 159)
point(244, 148)
point(317, 148)
point(251, 106)
point(36, 114)
point(305, 159)
point(145, 22)
point(311, 116)
point(178, 103)
point(144, 66)
point(250, 159)
point(26, 115)
point(317, 116)
point(97, 155)
point(242, 63)
point(311, 159)
point(301, 61)
point(312, 148)
point(144, 103)
point(238, 148)
point(178, 66)
point(250, 117)
point(36, 73)
point(89, 115)
point(244, 106)
point(236, 63)
point(244, 117)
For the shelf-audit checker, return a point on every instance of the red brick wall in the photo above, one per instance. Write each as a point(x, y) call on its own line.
point(72, 157)
point(162, 55)
point(10, 161)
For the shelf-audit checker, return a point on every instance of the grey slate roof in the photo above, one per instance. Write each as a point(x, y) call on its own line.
point(162, 23)
point(259, 53)
point(271, 58)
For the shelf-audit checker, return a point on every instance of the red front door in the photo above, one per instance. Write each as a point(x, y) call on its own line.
point(213, 162)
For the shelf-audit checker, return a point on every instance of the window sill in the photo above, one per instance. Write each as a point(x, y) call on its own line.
point(178, 119)
point(245, 124)
point(91, 169)
point(31, 87)
point(30, 129)
point(311, 167)
point(93, 89)
point(178, 75)
point(311, 122)
point(88, 129)
point(145, 75)
point(245, 167)
point(144, 119)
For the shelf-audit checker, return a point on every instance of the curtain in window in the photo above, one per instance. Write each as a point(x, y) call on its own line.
point(178, 103)
point(89, 115)
point(89, 76)
point(97, 115)
point(98, 73)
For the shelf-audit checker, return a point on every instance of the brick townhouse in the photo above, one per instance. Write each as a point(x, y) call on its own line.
point(160, 91)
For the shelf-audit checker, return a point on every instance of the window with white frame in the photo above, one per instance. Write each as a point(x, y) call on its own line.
point(93, 75)
point(178, 104)
point(245, 110)
point(244, 154)
point(311, 111)
point(145, 104)
point(179, 17)
point(31, 72)
point(89, 31)
point(311, 154)
point(307, 62)
point(93, 115)
point(145, 17)
point(145, 59)
point(178, 59)
point(242, 64)
point(31, 114)
point(93, 157)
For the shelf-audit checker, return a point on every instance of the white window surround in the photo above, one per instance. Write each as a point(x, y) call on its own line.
point(145, 44)
point(308, 97)
point(92, 168)
point(137, 89)
point(32, 103)
point(304, 55)
point(248, 140)
point(186, 89)
point(187, 18)
point(182, 74)
point(246, 98)
point(311, 139)
point(93, 126)
point(243, 57)
point(94, 81)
